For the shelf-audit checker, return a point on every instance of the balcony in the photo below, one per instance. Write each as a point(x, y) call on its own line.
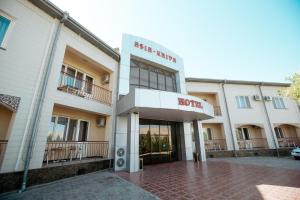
point(253, 143)
point(215, 145)
point(59, 152)
point(75, 86)
point(289, 142)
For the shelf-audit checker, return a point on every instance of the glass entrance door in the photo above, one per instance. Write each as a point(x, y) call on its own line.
point(157, 141)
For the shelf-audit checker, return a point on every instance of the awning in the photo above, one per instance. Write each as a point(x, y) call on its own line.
point(163, 105)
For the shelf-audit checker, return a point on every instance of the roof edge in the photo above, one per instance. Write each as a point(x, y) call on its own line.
point(238, 82)
point(76, 27)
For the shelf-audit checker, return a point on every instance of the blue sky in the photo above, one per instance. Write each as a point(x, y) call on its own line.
point(234, 39)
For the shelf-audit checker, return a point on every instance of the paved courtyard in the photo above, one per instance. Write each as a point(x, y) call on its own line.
point(225, 178)
point(99, 185)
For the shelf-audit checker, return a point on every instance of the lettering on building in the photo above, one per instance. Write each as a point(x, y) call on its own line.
point(188, 102)
point(158, 53)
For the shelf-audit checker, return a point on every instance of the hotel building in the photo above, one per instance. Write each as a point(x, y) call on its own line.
point(68, 101)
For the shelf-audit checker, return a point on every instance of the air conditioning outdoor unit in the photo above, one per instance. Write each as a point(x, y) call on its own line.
point(256, 98)
point(268, 98)
point(105, 79)
point(100, 122)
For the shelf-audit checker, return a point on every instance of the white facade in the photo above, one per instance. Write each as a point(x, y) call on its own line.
point(22, 64)
point(233, 117)
point(152, 103)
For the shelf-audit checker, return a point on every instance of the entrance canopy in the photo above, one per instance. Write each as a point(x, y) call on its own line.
point(163, 105)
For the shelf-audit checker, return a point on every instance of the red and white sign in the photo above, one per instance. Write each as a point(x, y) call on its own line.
point(151, 50)
point(188, 102)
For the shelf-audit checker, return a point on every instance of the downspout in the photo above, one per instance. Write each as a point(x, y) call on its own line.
point(268, 118)
point(40, 99)
point(115, 114)
point(229, 119)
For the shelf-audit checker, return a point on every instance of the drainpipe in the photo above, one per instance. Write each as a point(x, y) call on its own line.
point(229, 119)
point(115, 112)
point(268, 118)
point(40, 100)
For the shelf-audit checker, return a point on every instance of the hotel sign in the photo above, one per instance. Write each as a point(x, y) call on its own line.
point(156, 52)
point(188, 102)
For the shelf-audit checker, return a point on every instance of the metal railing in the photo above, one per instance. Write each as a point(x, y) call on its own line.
point(70, 84)
point(217, 111)
point(3, 144)
point(62, 151)
point(215, 145)
point(288, 142)
point(253, 143)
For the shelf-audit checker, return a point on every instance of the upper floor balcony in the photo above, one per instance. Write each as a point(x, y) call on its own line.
point(84, 88)
point(83, 77)
point(211, 98)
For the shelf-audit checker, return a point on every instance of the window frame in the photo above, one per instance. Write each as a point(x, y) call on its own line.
point(241, 132)
point(278, 103)
point(243, 102)
point(65, 136)
point(3, 44)
point(280, 131)
point(76, 71)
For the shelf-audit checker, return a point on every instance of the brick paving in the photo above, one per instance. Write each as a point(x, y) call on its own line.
point(218, 179)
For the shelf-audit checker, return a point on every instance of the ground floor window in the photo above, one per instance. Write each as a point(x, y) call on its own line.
point(243, 134)
point(207, 134)
point(67, 129)
point(279, 132)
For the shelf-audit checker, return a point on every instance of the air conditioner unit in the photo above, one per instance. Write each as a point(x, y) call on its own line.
point(268, 98)
point(100, 122)
point(105, 79)
point(256, 98)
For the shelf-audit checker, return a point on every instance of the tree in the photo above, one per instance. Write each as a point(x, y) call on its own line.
point(294, 90)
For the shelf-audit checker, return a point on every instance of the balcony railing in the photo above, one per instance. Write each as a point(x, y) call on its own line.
point(64, 151)
point(289, 142)
point(3, 144)
point(70, 84)
point(215, 145)
point(217, 111)
point(253, 143)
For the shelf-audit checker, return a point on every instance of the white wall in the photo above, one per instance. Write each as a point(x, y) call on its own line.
point(21, 64)
point(255, 115)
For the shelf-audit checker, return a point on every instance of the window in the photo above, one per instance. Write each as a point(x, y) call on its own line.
point(207, 134)
point(243, 134)
point(4, 25)
point(147, 76)
point(243, 101)
point(279, 132)
point(278, 103)
point(75, 79)
point(66, 129)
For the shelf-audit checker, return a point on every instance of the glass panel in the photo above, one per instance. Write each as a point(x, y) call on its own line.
point(240, 134)
point(88, 84)
point(164, 130)
point(79, 80)
point(134, 75)
point(145, 140)
point(246, 134)
point(61, 129)
point(169, 84)
point(83, 131)
point(51, 132)
point(69, 77)
point(153, 80)
point(4, 23)
point(247, 102)
point(209, 135)
point(144, 78)
point(161, 82)
point(72, 130)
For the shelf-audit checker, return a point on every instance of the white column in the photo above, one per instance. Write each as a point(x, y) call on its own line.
point(199, 140)
point(132, 163)
point(188, 141)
